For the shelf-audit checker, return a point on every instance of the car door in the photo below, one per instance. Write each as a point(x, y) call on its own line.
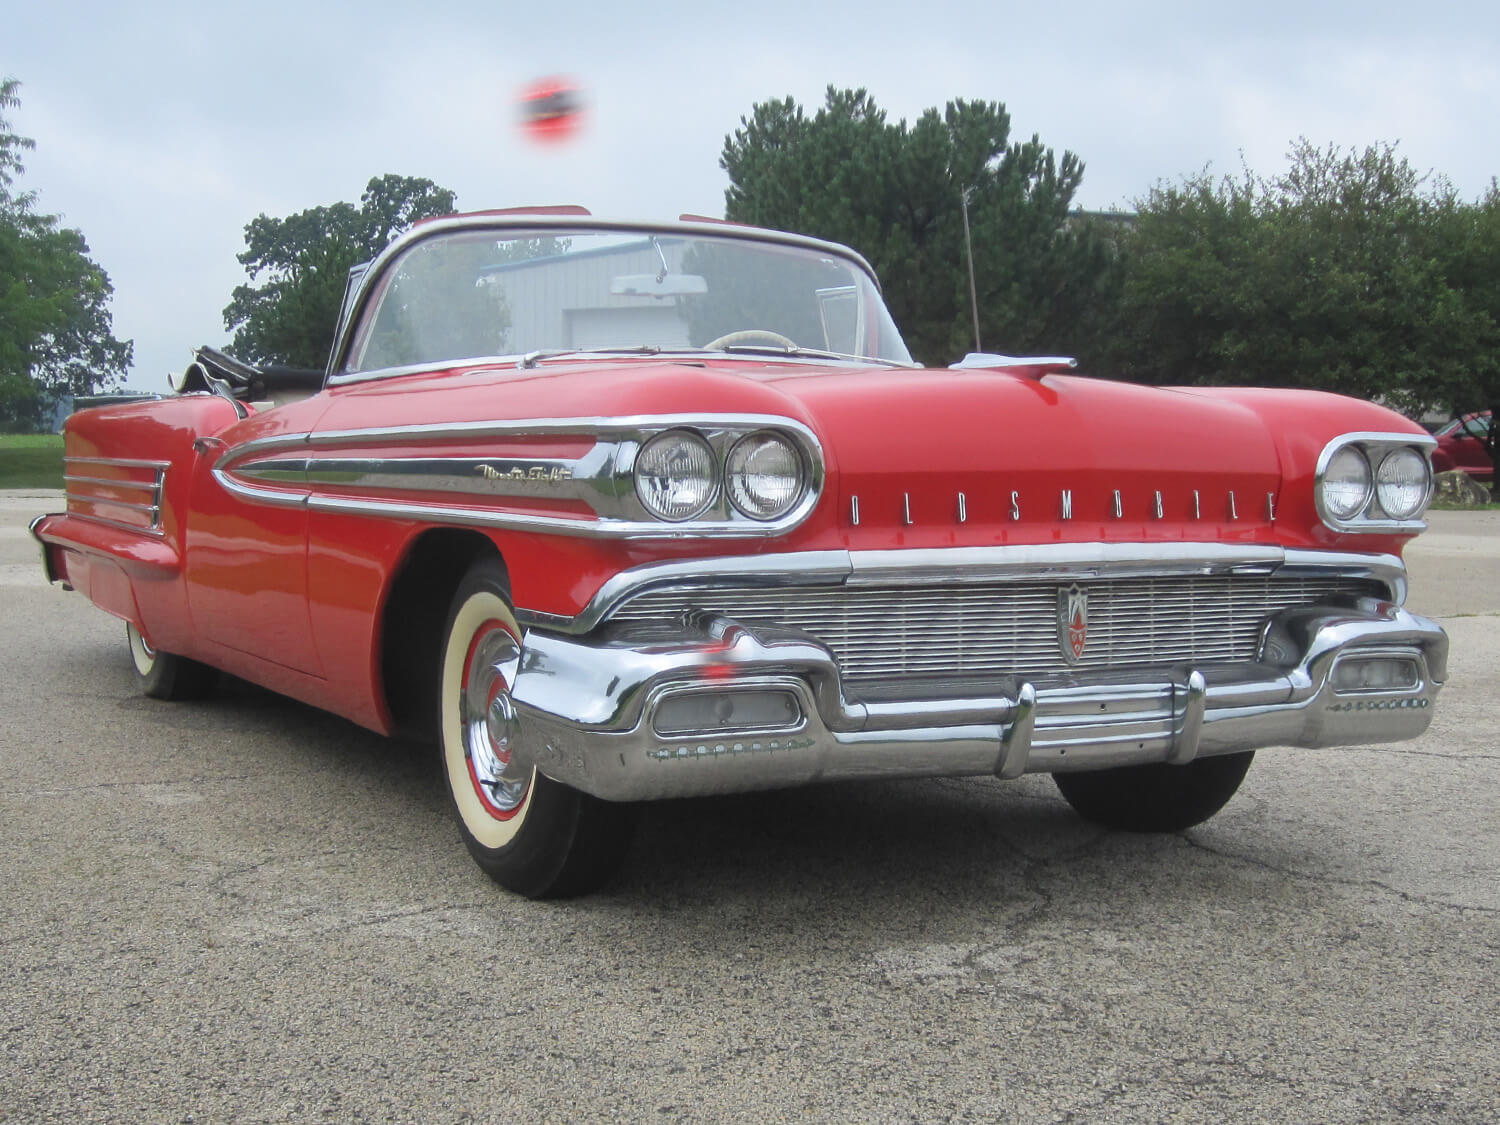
point(246, 561)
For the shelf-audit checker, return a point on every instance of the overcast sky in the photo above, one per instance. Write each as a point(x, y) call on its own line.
point(162, 128)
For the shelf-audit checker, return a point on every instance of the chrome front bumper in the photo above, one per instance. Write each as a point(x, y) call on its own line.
point(588, 709)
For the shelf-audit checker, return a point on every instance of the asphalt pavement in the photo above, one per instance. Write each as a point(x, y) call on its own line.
point(248, 910)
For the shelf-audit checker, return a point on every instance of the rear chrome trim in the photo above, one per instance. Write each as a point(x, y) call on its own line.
point(86, 501)
point(143, 486)
point(119, 462)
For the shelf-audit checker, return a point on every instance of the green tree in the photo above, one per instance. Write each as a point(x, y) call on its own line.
point(1337, 274)
point(895, 193)
point(302, 262)
point(55, 326)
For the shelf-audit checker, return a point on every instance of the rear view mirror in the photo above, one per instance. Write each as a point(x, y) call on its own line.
point(658, 285)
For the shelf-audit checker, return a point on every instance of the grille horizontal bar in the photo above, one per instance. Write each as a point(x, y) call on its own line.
point(1004, 628)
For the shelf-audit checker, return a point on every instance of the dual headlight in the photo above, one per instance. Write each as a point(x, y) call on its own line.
point(678, 476)
point(1369, 484)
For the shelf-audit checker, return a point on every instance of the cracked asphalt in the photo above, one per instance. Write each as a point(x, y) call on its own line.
point(247, 910)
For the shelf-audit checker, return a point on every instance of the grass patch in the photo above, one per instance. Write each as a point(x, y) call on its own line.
point(31, 461)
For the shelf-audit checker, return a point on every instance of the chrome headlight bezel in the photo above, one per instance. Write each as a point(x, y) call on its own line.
point(1371, 516)
point(721, 434)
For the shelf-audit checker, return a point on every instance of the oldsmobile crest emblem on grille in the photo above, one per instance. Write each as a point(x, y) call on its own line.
point(1072, 622)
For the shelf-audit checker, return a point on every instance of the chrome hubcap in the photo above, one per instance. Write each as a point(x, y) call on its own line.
point(490, 724)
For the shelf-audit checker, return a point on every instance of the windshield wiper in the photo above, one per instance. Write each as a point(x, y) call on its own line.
point(806, 353)
point(531, 359)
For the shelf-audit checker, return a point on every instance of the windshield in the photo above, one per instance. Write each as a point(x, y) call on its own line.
point(471, 295)
point(1472, 425)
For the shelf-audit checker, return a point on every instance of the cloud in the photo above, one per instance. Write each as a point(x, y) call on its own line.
point(164, 127)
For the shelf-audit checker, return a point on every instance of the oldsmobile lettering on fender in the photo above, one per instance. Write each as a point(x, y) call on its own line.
point(612, 512)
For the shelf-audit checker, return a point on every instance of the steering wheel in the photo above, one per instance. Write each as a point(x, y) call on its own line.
point(750, 336)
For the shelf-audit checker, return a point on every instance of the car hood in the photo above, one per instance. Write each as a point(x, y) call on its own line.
point(921, 451)
point(1021, 449)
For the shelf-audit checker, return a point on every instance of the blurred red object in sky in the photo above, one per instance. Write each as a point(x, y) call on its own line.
point(551, 109)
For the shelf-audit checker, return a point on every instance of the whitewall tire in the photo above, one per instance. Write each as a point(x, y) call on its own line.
point(531, 834)
point(164, 675)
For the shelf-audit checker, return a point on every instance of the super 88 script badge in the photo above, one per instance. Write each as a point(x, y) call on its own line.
point(1072, 622)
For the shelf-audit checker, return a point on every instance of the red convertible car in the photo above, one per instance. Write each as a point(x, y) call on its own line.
point(1460, 445)
point(615, 512)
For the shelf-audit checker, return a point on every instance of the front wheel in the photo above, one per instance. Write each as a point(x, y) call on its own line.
point(164, 675)
point(1157, 797)
point(532, 835)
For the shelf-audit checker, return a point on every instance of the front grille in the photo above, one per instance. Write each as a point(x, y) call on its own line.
point(880, 633)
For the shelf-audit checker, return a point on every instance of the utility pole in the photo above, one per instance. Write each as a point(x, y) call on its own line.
point(969, 249)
